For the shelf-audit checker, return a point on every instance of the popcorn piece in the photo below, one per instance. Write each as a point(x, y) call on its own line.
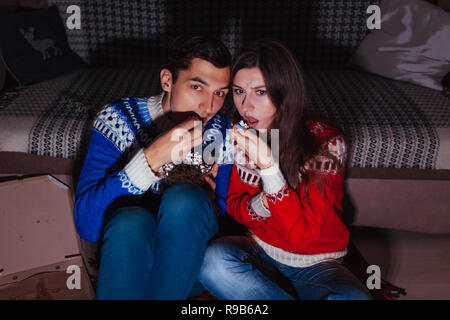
point(242, 125)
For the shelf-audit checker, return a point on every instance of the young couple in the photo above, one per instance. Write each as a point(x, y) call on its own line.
point(156, 242)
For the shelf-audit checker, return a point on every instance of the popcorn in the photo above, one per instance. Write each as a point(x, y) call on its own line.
point(193, 167)
point(242, 125)
point(192, 158)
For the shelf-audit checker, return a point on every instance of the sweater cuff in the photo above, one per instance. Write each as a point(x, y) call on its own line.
point(258, 206)
point(139, 171)
point(273, 180)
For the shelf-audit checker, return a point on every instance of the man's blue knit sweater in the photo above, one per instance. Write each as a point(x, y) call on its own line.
point(115, 171)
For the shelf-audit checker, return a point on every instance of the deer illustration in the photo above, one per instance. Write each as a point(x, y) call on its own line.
point(43, 45)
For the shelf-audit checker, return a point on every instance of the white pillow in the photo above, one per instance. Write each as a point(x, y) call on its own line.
point(412, 45)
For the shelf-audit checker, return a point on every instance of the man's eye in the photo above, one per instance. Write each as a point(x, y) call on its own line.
point(220, 93)
point(196, 87)
point(261, 92)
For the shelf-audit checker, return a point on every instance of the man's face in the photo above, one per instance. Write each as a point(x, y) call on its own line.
point(201, 89)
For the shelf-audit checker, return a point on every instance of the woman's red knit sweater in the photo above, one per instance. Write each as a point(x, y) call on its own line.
point(306, 222)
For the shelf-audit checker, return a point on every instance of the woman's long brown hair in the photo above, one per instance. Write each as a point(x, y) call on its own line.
point(286, 88)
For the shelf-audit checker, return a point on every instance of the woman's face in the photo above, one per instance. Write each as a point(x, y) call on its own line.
point(252, 99)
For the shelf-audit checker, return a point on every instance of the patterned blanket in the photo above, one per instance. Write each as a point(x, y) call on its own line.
point(389, 123)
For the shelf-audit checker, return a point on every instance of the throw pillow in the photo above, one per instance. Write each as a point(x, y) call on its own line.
point(412, 45)
point(34, 46)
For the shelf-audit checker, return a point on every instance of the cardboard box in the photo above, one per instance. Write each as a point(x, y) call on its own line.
point(40, 250)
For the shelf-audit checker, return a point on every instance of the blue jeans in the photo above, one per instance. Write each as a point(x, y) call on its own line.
point(147, 258)
point(236, 267)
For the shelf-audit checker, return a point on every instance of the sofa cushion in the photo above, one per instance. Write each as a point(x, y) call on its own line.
point(412, 45)
point(34, 46)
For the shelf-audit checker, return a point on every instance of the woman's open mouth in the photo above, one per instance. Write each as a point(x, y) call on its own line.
point(251, 121)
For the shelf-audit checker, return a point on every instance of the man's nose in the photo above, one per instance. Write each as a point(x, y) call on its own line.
point(207, 106)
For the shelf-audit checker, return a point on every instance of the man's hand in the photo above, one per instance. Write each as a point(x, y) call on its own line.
point(209, 177)
point(174, 144)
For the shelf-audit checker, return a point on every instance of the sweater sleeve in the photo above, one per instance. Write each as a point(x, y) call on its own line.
point(103, 180)
point(239, 199)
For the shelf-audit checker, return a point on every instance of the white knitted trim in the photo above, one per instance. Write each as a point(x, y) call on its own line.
point(272, 178)
point(297, 260)
point(139, 171)
point(248, 175)
point(127, 184)
point(154, 104)
point(258, 206)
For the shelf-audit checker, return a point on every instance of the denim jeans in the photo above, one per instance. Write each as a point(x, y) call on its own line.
point(146, 258)
point(236, 267)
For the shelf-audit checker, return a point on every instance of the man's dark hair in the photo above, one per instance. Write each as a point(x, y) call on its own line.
point(185, 48)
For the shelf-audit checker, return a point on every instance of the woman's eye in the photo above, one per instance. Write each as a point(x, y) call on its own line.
point(238, 91)
point(261, 92)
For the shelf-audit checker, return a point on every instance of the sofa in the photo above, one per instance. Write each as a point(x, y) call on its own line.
point(397, 203)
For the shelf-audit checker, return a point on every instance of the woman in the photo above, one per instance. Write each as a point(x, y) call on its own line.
point(292, 210)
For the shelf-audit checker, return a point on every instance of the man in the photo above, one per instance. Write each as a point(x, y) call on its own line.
point(153, 242)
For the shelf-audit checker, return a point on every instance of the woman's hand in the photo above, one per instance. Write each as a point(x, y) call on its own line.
point(255, 148)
